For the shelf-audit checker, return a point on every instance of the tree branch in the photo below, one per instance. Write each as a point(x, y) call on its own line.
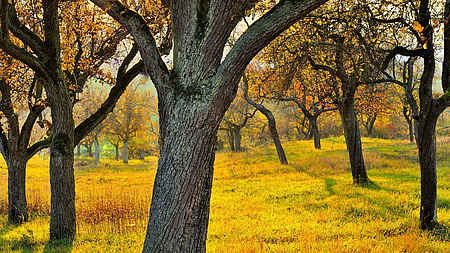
point(122, 81)
point(256, 37)
point(137, 27)
point(401, 51)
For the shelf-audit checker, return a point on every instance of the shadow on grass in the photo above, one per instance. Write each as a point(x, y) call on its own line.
point(370, 185)
point(23, 241)
point(442, 232)
point(329, 184)
point(59, 246)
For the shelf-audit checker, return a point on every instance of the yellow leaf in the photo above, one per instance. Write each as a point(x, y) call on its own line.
point(424, 46)
point(417, 26)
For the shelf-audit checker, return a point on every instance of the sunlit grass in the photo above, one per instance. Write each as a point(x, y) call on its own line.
point(257, 205)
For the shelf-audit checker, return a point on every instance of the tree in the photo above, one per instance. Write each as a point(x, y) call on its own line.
point(89, 104)
point(40, 49)
point(14, 146)
point(130, 115)
point(341, 50)
point(422, 30)
point(235, 120)
point(270, 119)
point(408, 81)
point(371, 101)
point(289, 78)
point(193, 96)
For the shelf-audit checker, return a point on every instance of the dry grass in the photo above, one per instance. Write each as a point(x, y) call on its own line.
point(257, 204)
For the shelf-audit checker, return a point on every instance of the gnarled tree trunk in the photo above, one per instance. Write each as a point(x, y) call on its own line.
point(192, 99)
point(188, 134)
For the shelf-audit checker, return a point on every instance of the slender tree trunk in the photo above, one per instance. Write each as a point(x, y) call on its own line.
point(411, 132)
point(97, 149)
point(117, 151)
point(78, 150)
point(17, 202)
point(315, 132)
point(89, 149)
point(188, 133)
point(353, 141)
point(141, 154)
point(231, 140)
point(276, 138)
point(125, 151)
point(370, 125)
point(427, 157)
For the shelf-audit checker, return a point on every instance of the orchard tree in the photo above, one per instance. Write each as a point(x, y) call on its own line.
point(17, 92)
point(130, 115)
point(193, 95)
point(39, 46)
point(423, 26)
point(290, 78)
point(253, 72)
point(371, 103)
point(236, 119)
point(88, 105)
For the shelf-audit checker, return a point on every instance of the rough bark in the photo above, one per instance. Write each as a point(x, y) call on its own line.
point(315, 132)
point(192, 100)
point(427, 159)
point(17, 201)
point(237, 139)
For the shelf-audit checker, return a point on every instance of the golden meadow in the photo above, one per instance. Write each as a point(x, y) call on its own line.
point(257, 204)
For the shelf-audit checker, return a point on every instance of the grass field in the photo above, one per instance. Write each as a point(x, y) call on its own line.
point(257, 205)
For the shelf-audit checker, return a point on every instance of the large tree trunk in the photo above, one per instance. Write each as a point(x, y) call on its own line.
point(426, 143)
point(192, 100)
point(353, 141)
point(17, 202)
point(62, 181)
point(188, 133)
